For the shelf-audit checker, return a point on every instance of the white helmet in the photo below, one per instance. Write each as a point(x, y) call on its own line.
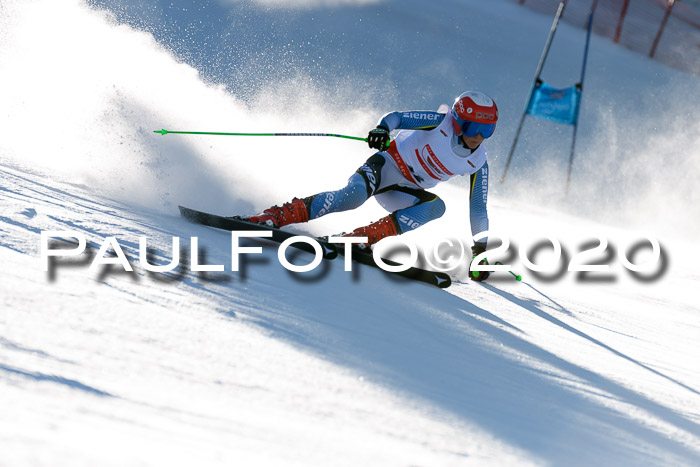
point(475, 113)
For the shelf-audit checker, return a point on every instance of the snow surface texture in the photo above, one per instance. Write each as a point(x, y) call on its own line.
point(266, 367)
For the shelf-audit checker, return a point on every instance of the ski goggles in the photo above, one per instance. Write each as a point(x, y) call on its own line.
point(471, 129)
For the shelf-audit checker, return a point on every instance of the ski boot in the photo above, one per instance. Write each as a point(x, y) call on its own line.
point(384, 227)
point(279, 216)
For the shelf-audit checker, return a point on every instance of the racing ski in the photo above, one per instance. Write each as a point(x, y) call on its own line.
point(438, 279)
point(330, 250)
point(233, 223)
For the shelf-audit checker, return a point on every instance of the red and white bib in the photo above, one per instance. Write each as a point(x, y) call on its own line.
point(427, 158)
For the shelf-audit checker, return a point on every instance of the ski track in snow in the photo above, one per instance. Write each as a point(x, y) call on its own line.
point(521, 369)
point(266, 367)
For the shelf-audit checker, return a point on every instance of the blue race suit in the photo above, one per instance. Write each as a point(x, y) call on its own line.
point(425, 152)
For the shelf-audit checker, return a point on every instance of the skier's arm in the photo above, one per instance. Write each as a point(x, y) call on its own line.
point(478, 194)
point(378, 138)
point(478, 217)
point(414, 120)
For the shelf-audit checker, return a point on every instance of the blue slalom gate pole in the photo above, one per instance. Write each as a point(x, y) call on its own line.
point(540, 65)
point(580, 93)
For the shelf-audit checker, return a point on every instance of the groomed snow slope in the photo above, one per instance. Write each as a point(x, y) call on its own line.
point(267, 367)
point(341, 369)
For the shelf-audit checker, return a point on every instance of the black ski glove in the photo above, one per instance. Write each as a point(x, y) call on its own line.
point(378, 138)
point(478, 276)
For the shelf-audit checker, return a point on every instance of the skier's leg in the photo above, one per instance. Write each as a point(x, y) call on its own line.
point(361, 185)
point(351, 196)
point(426, 208)
point(421, 208)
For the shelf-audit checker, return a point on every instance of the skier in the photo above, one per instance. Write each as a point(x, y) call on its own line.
point(430, 148)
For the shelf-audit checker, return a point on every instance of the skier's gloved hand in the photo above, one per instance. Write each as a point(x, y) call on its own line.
point(378, 138)
point(478, 276)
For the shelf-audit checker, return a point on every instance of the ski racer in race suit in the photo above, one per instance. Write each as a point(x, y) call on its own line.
point(431, 147)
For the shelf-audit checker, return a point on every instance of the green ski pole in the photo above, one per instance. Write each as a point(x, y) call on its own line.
point(518, 277)
point(165, 132)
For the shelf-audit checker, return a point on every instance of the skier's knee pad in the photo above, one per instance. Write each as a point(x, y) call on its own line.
point(371, 171)
point(419, 214)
